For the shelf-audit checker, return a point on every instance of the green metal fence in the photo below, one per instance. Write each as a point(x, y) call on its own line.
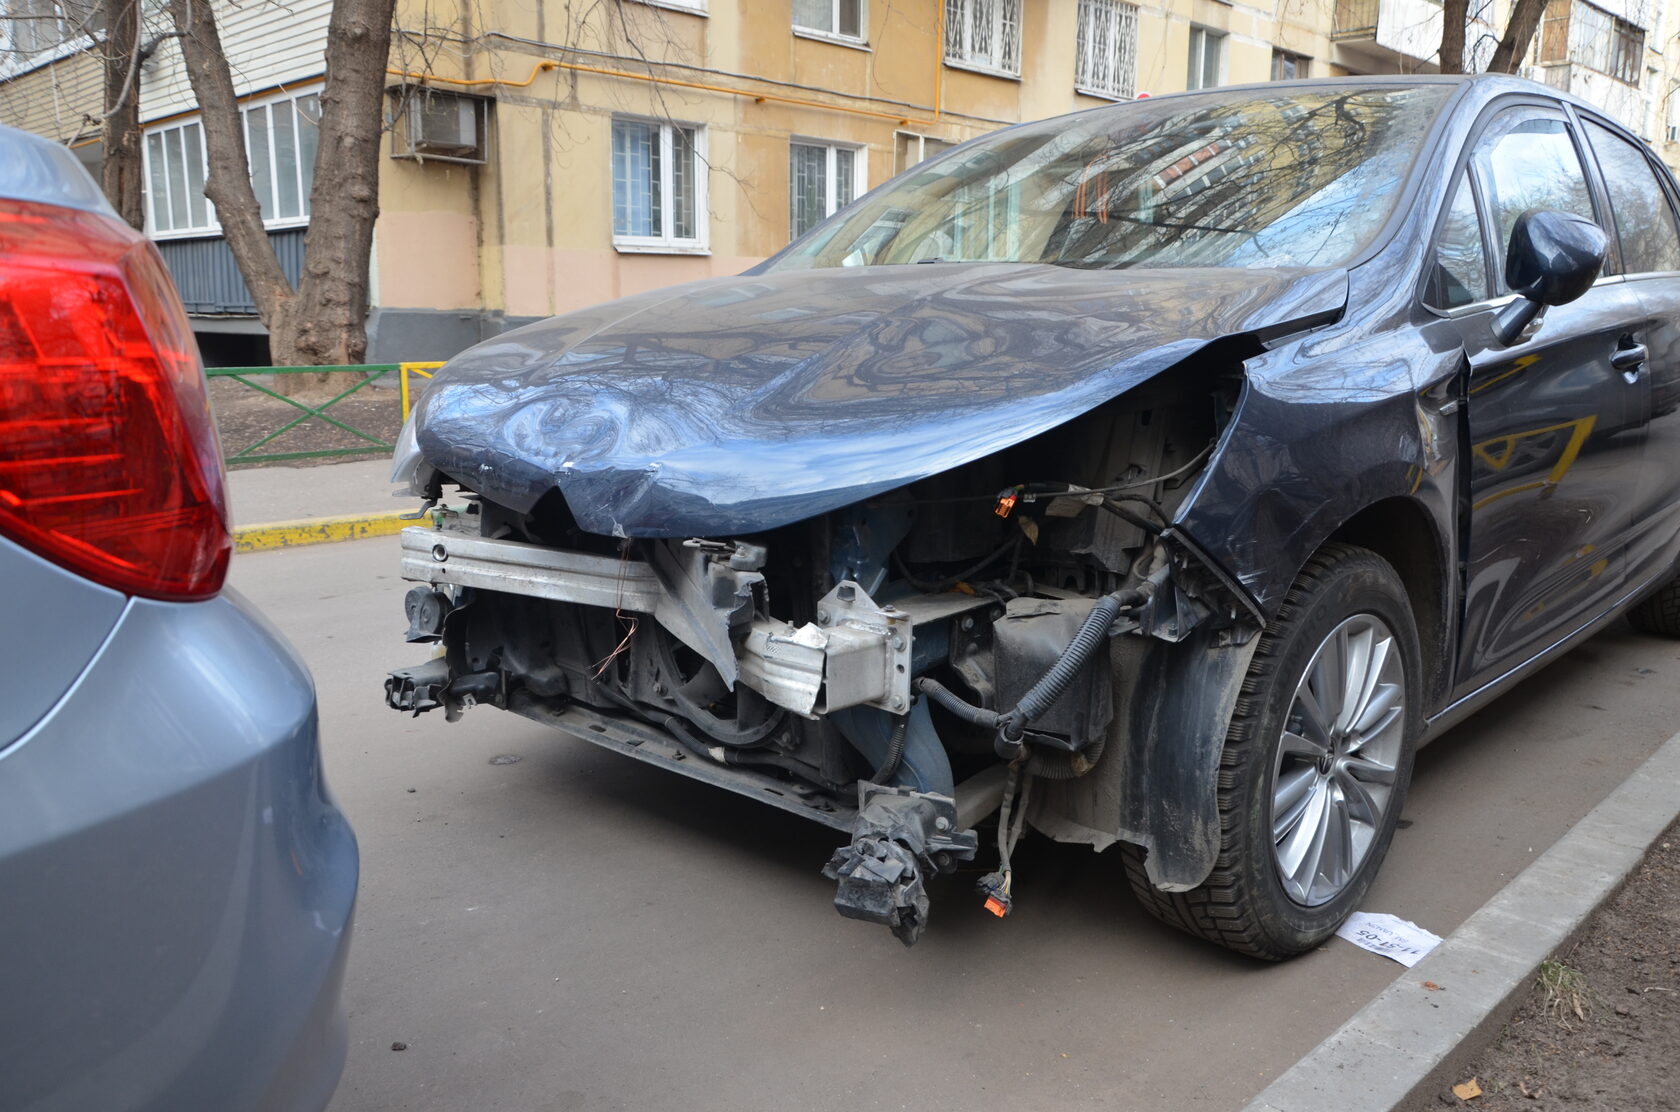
point(246, 376)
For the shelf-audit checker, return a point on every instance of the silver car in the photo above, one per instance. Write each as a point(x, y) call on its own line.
point(176, 883)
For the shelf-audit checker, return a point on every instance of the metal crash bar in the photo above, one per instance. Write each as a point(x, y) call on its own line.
point(858, 653)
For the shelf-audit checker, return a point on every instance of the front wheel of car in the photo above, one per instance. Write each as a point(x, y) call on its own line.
point(1315, 765)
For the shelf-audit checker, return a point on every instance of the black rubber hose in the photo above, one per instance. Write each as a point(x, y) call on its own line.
point(1052, 684)
point(951, 701)
point(1112, 505)
point(895, 751)
point(718, 729)
point(1143, 500)
point(741, 757)
point(1043, 694)
point(738, 758)
point(930, 586)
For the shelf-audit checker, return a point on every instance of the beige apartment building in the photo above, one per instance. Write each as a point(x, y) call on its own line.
point(546, 155)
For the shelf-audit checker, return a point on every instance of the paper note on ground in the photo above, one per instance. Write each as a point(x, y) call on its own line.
point(1390, 936)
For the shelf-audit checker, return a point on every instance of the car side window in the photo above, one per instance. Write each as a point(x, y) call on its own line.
point(1638, 202)
point(1458, 275)
point(1526, 159)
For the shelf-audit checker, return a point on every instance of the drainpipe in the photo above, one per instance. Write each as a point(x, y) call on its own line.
point(938, 61)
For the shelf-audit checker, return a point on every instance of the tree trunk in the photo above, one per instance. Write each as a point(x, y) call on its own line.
point(1454, 15)
point(324, 321)
point(228, 184)
point(1519, 32)
point(120, 171)
point(329, 323)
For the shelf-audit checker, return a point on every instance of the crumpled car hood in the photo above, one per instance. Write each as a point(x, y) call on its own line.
point(735, 405)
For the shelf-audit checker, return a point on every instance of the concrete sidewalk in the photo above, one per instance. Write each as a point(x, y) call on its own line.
point(259, 495)
point(281, 507)
point(1415, 1036)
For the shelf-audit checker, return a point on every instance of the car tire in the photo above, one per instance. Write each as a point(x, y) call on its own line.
point(1659, 612)
point(1264, 897)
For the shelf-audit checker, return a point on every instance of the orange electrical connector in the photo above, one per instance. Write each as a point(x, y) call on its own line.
point(996, 906)
point(1006, 502)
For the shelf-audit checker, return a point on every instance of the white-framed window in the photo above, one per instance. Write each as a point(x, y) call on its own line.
point(984, 35)
point(281, 135)
point(659, 186)
point(175, 169)
point(836, 19)
point(822, 179)
point(1207, 58)
point(281, 138)
point(1107, 63)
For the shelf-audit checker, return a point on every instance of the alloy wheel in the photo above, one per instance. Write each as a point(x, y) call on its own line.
point(1333, 777)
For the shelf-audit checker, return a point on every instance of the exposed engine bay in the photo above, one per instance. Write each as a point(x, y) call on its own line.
point(900, 669)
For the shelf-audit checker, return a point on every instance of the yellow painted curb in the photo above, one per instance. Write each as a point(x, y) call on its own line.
point(318, 530)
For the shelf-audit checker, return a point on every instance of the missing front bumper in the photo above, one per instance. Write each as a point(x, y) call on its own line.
point(857, 653)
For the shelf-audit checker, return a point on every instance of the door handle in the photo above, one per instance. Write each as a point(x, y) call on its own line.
point(1629, 357)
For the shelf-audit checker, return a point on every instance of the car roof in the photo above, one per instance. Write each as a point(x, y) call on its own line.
point(39, 170)
point(1478, 88)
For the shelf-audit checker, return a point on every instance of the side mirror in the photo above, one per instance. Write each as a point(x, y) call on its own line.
point(1554, 257)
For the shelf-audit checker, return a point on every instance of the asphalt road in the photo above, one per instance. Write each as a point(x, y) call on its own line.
point(575, 930)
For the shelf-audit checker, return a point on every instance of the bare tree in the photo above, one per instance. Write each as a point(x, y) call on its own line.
point(112, 30)
point(1513, 44)
point(323, 322)
point(1519, 32)
point(121, 169)
point(1455, 15)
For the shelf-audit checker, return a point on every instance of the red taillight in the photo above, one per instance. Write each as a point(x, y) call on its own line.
point(109, 464)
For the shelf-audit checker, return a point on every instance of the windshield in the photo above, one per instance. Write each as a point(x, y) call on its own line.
point(1295, 177)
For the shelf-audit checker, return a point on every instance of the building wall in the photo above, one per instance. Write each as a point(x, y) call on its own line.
point(56, 99)
point(529, 233)
point(462, 251)
point(1665, 97)
point(268, 43)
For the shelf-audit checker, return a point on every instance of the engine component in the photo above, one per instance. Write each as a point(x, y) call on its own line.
point(426, 610)
point(1050, 659)
point(1037, 663)
point(900, 838)
point(951, 701)
point(430, 686)
point(924, 765)
point(701, 591)
point(864, 537)
point(417, 689)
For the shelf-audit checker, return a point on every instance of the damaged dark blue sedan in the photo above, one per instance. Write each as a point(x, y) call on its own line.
point(1159, 476)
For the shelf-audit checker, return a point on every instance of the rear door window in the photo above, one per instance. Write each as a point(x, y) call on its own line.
point(1644, 220)
point(1526, 159)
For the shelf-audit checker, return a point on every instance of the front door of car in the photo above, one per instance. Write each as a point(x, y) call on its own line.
point(1555, 428)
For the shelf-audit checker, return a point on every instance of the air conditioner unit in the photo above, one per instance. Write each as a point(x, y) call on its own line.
point(444, 126)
